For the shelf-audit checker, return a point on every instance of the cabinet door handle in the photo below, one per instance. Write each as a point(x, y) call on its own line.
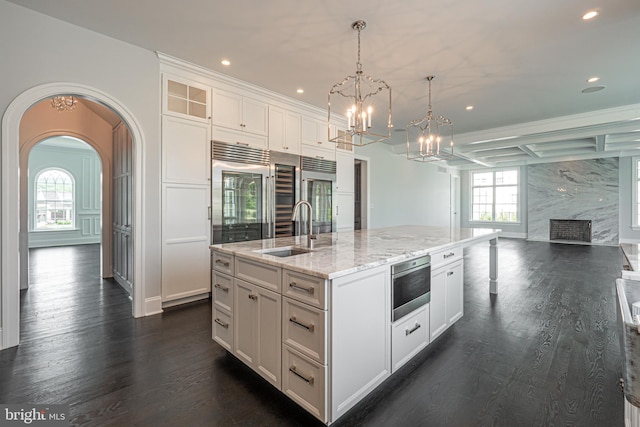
point(294, 371)
point(246, 144)
point(222, 288)
point(294, 286)
point(309, 328)
point(450, 254)
point(253, 297)
point(224, 263)
point(412, 330)
point(320, 157)
point(449, 273)
point(221, 323)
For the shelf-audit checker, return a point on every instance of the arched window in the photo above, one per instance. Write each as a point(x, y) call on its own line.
point(55, 201)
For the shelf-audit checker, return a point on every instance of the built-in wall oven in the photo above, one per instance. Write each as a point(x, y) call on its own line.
point(410, 286)
point(253, 192)
point(318, 188)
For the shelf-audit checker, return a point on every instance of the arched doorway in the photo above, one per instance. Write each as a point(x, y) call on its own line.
point(13, 249)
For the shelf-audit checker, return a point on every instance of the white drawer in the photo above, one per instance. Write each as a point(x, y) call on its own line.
point(223, 262)
point(409, 335)
point(222, 328)
point(308, 289)
point(222, 286)
point(446, 256)
point(303, 328)
point(260, 274)
point(304, 381)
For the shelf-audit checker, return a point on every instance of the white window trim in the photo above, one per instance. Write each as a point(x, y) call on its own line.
point(478, 222)
point(634, 193)
point(35, 202)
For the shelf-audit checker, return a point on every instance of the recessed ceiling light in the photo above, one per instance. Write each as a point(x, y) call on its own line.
point(593, 89)
point(225, 62)
point(300, 90)
point(593, 79)
point(469, 107)
point(590, 15)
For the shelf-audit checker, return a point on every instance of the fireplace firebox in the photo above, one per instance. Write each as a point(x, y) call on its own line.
point(578, 230)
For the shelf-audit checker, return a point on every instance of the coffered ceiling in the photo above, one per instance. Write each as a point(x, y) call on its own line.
point(522, 65)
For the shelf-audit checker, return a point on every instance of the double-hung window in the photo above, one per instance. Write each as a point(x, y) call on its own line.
point(494, 196)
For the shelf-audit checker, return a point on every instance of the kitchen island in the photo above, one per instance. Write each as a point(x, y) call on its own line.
point(317, 325)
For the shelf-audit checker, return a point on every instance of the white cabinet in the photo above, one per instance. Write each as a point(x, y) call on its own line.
point(234, 111)
point(447, 301)
point(344, 172)
point(257, 329)
point(185, 99)
point(409, 335)
point(284, 130)
point(360, 340)
point(186, 151)
point(185, 208)
point(344, 211)
point(185, 242)
point(315, 133)
point(305, 382)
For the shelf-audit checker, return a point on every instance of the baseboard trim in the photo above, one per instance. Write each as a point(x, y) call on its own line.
point(185, 300)
point(630, 241)
point(152, 306)
point(570, 242)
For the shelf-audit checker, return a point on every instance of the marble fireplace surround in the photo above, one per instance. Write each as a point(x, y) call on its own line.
point(580, 189)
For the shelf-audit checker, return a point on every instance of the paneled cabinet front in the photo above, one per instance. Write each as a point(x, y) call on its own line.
point(234, 111)
point(257, 329)
point(447, 298)
point(284, 130)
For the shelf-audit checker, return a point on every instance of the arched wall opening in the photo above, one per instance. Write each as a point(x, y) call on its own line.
point(11, 205)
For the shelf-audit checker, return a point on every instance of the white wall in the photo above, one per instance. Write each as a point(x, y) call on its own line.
point(404, 192)
point(37, 49)
point(84, 167)
point(626, 187)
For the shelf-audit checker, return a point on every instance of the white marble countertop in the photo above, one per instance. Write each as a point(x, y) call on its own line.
point(339, 254)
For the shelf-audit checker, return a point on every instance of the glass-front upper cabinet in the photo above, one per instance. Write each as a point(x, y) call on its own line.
point(186, 99)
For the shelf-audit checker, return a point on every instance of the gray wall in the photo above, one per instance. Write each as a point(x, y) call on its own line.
point(84, 166)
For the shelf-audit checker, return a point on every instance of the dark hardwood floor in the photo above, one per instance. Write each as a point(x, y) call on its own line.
point(543, 352)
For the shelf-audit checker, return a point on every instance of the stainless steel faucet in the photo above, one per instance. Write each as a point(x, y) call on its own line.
point(311, 237)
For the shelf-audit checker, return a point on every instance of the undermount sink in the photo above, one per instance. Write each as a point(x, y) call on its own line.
point(285, 252)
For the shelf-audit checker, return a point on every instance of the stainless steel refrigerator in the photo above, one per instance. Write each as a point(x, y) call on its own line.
point(253, 192)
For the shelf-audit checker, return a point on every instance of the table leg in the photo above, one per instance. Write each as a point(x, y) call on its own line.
point(493, 266)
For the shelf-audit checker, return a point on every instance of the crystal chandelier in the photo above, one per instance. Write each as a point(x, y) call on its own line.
point(425, 136)
point(358, 101)
point(64, 103)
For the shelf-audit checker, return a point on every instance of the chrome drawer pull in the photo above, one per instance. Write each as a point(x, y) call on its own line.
point(449, 273)
point(309, 328)
point(449, 255)
point(410, 331)
point(301, 288)
point(253, 297)
point(293, 370)
point(220, 262)
point(222, 288)
point(221, 323)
